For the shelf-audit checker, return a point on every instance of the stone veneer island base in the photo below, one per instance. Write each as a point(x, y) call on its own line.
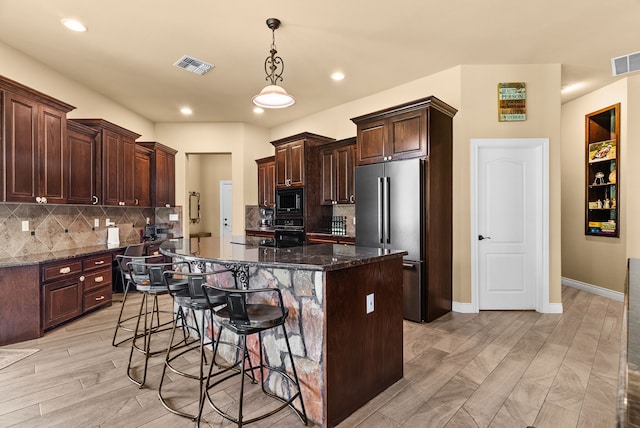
point(344, 356)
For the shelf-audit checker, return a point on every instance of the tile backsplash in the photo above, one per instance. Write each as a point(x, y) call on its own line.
point(64, 227)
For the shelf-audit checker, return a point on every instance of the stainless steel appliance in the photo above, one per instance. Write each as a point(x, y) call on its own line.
point(266, 218)
point(390, 214)
point(290, 202)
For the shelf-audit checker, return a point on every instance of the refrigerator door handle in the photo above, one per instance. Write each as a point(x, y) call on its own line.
point(380, 211)
point(387, 210)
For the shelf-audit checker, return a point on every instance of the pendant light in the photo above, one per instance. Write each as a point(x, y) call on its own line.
point(273, 96)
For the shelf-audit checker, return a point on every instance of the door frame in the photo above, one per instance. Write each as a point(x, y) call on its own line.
point(542, 218)
point(222, 185)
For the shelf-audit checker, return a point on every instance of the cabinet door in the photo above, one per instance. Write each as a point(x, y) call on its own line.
point(165, 179)
point(143, 177)
point(372, 138)
point(61, 301)
point(407, 136)
point(296, 153)
point(127, 171)
point(51, 155)
point(328, 177)
point(20, 147)
point(270, 185)
point(81, 168)
point(262, 183)
point(111, 148)
point(282, 166)
point(344, 175)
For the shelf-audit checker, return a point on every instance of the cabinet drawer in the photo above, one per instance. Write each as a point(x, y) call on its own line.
point(97, 261)
point(96, 279)
point(97, 297)
point(60, 270)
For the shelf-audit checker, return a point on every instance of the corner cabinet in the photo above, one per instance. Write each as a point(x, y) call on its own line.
point(33, 134)
point(602, 135)
point(399, 132)
point(266, 182)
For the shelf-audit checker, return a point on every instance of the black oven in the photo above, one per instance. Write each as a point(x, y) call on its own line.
point(290, 202)
point(289, 232)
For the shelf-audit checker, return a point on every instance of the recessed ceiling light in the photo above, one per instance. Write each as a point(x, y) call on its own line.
point(258, 110)
point(74, 25)
point(337, 75)
point(186, 111)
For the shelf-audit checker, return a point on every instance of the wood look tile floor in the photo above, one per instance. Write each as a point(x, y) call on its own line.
point(492, 369)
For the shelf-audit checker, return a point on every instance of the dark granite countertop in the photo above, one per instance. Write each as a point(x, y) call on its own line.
point(66, 254)
point(249, 250)
point(629, 370)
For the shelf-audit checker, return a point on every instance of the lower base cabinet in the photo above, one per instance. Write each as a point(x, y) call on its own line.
point(62, 301)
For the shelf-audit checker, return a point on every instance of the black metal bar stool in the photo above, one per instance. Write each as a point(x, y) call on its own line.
point(131, 252)
point(249, 312)
point(190, 300)
point(150, 280)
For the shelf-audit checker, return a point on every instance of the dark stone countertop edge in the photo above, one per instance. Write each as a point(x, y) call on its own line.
point(53, 256)
point(166, 249)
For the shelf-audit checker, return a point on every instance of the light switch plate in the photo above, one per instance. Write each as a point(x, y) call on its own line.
point(96, 222)
point(173, 217)
point(25, 225)
point(369, 303)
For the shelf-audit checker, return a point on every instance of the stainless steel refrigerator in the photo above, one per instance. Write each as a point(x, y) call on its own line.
point(392, 213)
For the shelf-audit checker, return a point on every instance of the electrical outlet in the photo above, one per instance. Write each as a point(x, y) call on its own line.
point(25, 225)
point(96, 222)
point(173, 217)
point(369, 303)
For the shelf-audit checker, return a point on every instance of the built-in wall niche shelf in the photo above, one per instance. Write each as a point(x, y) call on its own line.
point(602, 136)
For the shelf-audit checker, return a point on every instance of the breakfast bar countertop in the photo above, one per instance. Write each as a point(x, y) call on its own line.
point(251, 251)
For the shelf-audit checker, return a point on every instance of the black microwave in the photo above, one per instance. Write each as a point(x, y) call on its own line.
point(290, 201)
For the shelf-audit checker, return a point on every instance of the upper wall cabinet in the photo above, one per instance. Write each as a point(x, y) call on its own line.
point(81, 164)
point(602, 135)
point(144, 157)
point(338, 172)
point(116, 162)
point(33, 132)
point(163, 175)
point(266, 182)
point(399, 132)
point(293, 162)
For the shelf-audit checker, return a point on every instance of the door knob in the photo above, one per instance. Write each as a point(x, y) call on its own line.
point(480, 237)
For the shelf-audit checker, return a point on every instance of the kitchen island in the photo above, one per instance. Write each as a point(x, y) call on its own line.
point(345, 353)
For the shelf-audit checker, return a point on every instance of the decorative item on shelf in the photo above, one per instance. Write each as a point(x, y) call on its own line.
point(599, 202)
point(613, 202)
point(599, 178)
point(273, 96)
point(612, 177)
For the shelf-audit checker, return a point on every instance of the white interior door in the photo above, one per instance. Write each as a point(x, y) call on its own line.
point(510, 197)
point(226, 215)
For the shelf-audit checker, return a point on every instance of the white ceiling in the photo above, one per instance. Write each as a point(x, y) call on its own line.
point(131, 45)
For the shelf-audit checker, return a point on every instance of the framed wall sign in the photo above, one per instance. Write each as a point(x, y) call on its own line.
point(512, 98)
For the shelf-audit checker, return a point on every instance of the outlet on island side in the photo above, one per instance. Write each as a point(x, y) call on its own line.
point(369, 303)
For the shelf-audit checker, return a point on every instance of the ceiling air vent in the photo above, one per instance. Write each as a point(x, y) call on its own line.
point(625, 64)
point(193, 65)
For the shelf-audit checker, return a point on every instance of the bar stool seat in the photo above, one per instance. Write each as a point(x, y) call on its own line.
point(253, 311)
point(149, 279)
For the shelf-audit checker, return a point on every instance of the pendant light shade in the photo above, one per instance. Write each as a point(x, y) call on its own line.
point(273, 96)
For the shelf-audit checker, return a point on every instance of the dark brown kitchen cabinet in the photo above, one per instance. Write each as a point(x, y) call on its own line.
point(163, 175)
point(116, 164)
point(143, 176)
point(266, 182)
point(33, 135)
point(290, 164)
point(338, 172)
point(81, 164)
point(396, 133)
point(61, 291)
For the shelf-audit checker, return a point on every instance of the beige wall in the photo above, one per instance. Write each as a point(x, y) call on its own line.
point(89, 104)
point(596, 260)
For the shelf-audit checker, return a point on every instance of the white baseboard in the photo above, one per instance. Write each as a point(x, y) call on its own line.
point(600, 291)
point(463, 308)
point(552, 308)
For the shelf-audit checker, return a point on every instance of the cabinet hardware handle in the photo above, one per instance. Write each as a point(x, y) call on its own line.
point(99, 298)
point(100, 262)
point(65, 269)
point(82, 278)
point(137, 202)
point(99, 279)
point(94, 200)
point(351, 199)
